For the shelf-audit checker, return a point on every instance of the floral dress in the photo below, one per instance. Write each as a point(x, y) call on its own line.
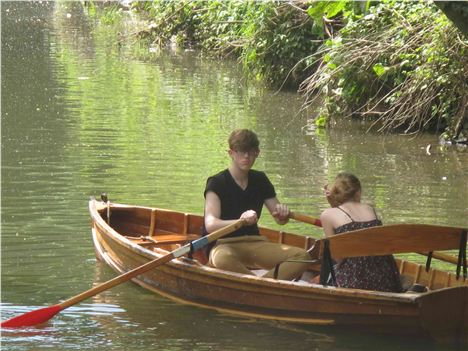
point(367, 272)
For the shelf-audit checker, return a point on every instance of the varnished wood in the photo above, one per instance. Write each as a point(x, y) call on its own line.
point(186, 281)
point(152, 223)
point(306, 219)
point(393, 239)
point(442, 256)
point(141, 268)
point(167, 239)
point(315, 221)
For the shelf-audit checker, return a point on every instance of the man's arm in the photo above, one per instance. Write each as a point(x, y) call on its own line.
point(213, 219)
point(279, 211)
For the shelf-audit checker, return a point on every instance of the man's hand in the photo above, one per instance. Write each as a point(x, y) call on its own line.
point(250, 217)
point(281, 213)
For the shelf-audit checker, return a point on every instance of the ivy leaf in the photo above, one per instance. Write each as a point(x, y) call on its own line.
point(335, 7)
point(328, 9)
point(321, 121)
point(379, 69)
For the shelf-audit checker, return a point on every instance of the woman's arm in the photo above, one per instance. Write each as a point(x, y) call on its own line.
point(327, 218)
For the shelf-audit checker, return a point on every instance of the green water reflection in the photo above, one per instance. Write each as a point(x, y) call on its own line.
point(82, 114)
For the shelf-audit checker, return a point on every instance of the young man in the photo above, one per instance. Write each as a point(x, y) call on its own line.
point(240, 192)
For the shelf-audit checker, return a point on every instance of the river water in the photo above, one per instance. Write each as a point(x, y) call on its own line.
point(83, 112)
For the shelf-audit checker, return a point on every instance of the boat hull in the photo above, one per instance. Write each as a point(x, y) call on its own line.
point(441, 314)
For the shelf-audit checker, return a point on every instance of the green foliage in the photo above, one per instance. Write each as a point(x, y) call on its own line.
point(277, 37)
point(107, 13)
point(403, 63)
point(170, 20)
point(270, 38)
point(112, 15)
point(321, 121)
point(326, 8)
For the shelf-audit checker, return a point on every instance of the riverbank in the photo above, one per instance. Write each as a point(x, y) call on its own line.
point(403, 65)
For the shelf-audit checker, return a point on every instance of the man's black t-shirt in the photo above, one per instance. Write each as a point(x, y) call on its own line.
point(235, 201)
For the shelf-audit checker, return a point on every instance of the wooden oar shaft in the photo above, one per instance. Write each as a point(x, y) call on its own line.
point(306, 219)
point(42, 315)
point(117, 280)
point(196, 244)
point(441, 256)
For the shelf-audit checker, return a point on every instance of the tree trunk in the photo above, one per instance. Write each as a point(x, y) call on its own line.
point(462, 117)
point(457, 12)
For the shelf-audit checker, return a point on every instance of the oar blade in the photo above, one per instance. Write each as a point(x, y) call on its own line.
point(32, 318)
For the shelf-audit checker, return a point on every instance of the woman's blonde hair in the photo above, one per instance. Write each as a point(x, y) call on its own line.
point(344, 188)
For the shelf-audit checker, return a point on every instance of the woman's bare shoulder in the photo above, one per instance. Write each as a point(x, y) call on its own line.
point(329, 213)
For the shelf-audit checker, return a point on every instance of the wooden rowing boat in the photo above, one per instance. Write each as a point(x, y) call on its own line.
point(126, 237)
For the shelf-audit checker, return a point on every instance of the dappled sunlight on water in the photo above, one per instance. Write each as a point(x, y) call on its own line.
point(82, 115)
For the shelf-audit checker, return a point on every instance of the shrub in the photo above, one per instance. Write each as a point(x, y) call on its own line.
point(404, 64)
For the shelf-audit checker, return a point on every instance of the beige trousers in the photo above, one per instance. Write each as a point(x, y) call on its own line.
point(256, 252)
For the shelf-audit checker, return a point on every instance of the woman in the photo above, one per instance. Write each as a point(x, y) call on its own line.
point(346, 214)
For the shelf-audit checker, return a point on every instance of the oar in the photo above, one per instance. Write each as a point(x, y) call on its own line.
point(441, 256)
point(306, 219)
point(315, 221)
point(42, 315)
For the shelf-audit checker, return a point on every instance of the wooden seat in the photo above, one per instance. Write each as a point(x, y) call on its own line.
point(163, 239)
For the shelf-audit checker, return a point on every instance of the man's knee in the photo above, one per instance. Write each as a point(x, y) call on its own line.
point(222, 258)
point(299, 254)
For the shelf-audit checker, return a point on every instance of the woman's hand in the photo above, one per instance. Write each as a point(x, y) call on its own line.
point(326, 191)
point(328, 195)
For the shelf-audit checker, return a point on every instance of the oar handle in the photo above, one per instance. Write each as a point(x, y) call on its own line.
point(441, 256)
point(306, 219)
point(196, 245)
point(203, 241)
